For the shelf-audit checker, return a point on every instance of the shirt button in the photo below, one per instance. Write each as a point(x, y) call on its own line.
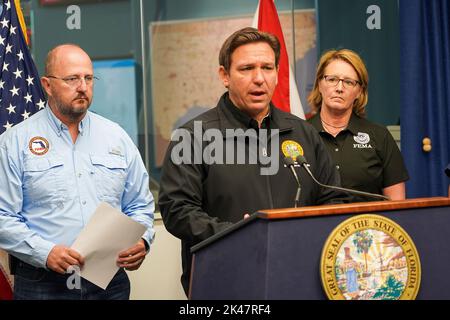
point(337, 149)
point(83, 202)
point(337, 167)
point(79, 175)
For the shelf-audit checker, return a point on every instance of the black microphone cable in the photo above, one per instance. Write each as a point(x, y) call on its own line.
point(302, 162)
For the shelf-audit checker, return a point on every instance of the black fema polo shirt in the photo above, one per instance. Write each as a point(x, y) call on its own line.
point(365, 154)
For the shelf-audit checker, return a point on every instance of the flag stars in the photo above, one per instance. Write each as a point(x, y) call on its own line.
point(41, 104)
point(11, 109)
point(21, 93)
point(18, 73)
point(29, 79)
point(28, 97)
point(5, 23)
point(25, 114)
point(8, 125)
point(20, 55)
point(15, 91)
point(8, 48)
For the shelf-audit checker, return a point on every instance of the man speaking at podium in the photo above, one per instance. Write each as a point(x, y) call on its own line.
point(228, 162)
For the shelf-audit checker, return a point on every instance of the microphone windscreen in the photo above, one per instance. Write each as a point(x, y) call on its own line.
point(288, 161)
point(301, 160)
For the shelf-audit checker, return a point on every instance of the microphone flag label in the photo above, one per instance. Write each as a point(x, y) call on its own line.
point(370, 257)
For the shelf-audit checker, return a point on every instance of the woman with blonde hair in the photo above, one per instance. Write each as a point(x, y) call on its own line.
point(365, 153)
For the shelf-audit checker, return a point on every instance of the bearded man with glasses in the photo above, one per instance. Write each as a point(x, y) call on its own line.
point(55, 169)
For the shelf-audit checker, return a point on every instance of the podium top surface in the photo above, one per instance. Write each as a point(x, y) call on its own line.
point(358, 207)
point(328, 210)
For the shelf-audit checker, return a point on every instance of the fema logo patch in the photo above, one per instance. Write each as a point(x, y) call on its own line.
point(38, 146)
point(362, 141)
point(362, 138)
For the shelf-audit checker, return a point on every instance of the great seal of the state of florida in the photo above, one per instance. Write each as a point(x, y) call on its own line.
point(370, 257)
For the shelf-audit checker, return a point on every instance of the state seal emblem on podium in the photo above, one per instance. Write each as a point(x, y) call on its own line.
point(370, 257)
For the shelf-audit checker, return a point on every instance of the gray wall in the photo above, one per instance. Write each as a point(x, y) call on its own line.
point(106, 30)
point(342, 24)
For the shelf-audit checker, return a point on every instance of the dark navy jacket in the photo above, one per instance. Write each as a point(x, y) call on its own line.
point(199, 200)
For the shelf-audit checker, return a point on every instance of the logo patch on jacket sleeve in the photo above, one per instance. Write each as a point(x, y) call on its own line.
point(38, 146)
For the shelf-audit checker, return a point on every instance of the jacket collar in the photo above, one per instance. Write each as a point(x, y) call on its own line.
point(231, 117)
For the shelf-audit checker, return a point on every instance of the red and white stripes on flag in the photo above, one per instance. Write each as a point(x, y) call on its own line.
point(286, 95)
point(6, 292)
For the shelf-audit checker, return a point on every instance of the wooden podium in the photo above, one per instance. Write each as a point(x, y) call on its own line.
point(275, 254)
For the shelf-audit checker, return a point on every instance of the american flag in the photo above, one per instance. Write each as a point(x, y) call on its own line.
point(21, 93)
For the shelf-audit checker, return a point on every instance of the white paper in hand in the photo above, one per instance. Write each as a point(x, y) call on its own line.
point(108, 232)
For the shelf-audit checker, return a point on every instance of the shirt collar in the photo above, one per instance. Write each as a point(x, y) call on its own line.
point(244, 118)
point(316, 123)
point(354, 124)
point(59, 126)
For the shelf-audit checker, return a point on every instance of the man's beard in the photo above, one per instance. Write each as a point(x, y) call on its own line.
point(73, 113)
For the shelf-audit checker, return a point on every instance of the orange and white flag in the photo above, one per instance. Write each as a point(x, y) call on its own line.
point(286, 95)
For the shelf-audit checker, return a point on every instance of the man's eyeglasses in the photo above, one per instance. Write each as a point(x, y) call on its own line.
point(333, 81)
point(74, 81)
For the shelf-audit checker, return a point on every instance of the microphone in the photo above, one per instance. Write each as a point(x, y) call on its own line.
point(447, 170)
point(302, 161)
point(290, 164)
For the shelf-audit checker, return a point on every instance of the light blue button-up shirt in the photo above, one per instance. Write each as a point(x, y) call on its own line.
point(50, 187)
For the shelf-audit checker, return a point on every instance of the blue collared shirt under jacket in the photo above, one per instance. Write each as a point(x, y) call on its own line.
point(50, 187)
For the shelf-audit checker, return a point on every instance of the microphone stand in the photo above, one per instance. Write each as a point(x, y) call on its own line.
point(290, 164)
